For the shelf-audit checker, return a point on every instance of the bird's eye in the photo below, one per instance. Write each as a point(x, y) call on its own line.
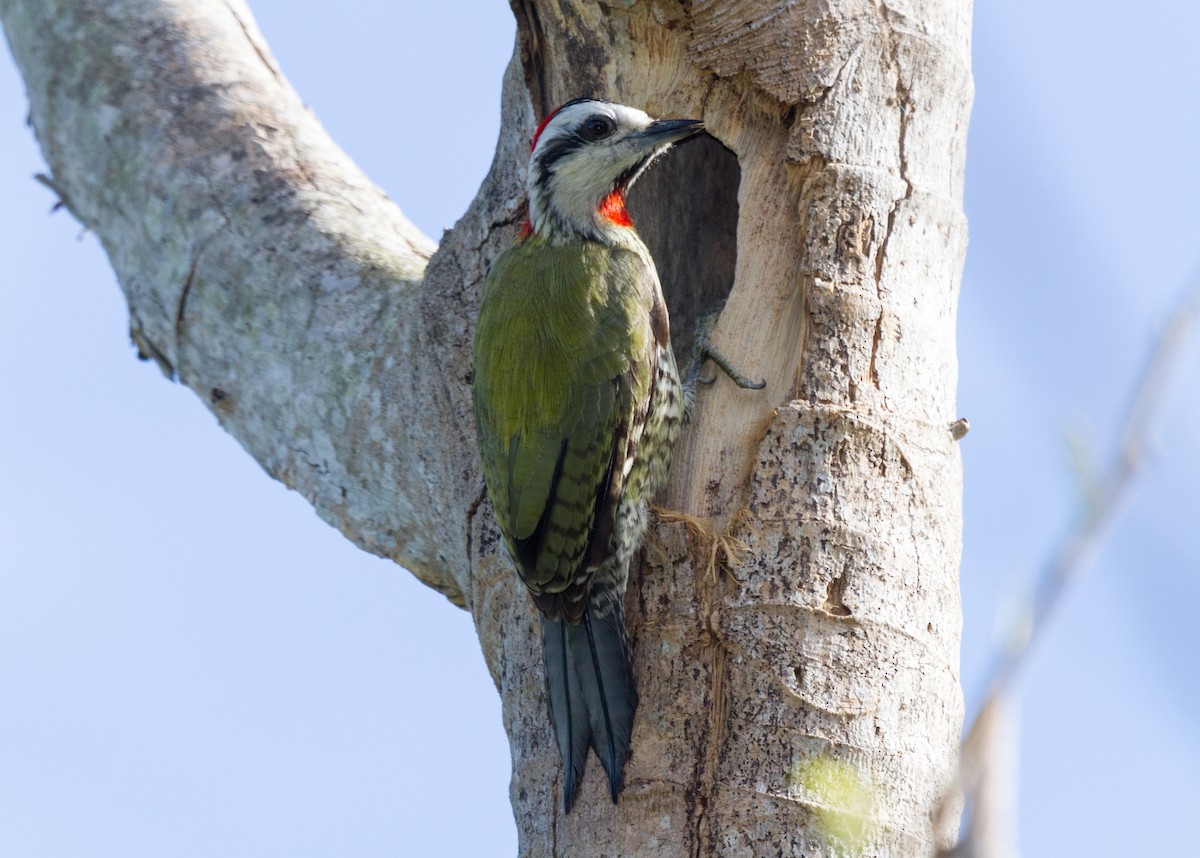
point(597, 128)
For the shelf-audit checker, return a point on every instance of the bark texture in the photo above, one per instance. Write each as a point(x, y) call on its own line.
point(796, 630)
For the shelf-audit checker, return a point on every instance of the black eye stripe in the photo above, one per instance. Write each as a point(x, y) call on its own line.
point(556, 150)
point(593, 129)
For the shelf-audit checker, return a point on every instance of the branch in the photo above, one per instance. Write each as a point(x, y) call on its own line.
point(1075, 554)
point(1104, 499)
point(261, 268)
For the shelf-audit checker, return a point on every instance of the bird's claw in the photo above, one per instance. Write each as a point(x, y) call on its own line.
point(704, 351)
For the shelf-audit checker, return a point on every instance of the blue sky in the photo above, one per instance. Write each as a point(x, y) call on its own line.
point(193, 664)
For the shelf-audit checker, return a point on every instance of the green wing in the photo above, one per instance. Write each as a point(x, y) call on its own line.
point(562, 370)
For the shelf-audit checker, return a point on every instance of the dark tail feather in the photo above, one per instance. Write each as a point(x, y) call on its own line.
point(568, 708)
point(604, 664)
point(589, 679)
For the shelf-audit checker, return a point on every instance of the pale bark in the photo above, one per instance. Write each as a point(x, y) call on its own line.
point(265, 272)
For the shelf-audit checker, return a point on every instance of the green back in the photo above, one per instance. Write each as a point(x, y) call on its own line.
point(563, 367)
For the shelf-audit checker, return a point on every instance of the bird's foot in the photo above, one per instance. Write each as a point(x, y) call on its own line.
point(703, 351)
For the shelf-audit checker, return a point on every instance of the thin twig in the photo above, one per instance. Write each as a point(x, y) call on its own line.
point(1082, 545)
point(1074, 555)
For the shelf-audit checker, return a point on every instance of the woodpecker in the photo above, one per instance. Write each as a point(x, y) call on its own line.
point(577, 406)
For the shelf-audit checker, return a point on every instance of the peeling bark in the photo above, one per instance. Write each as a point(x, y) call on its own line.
point(797, 611)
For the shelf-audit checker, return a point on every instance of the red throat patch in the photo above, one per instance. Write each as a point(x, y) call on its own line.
point(612, 209)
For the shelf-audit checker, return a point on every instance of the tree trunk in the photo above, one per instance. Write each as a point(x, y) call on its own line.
point(796, 619)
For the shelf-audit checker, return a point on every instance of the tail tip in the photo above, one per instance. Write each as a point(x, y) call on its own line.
point(571, 789)
point(569, 795)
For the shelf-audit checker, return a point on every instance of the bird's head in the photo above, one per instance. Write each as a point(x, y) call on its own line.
point(584, 157)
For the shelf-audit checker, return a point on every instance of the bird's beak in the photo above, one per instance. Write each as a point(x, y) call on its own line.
point(649, 144)
point(668, 131)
